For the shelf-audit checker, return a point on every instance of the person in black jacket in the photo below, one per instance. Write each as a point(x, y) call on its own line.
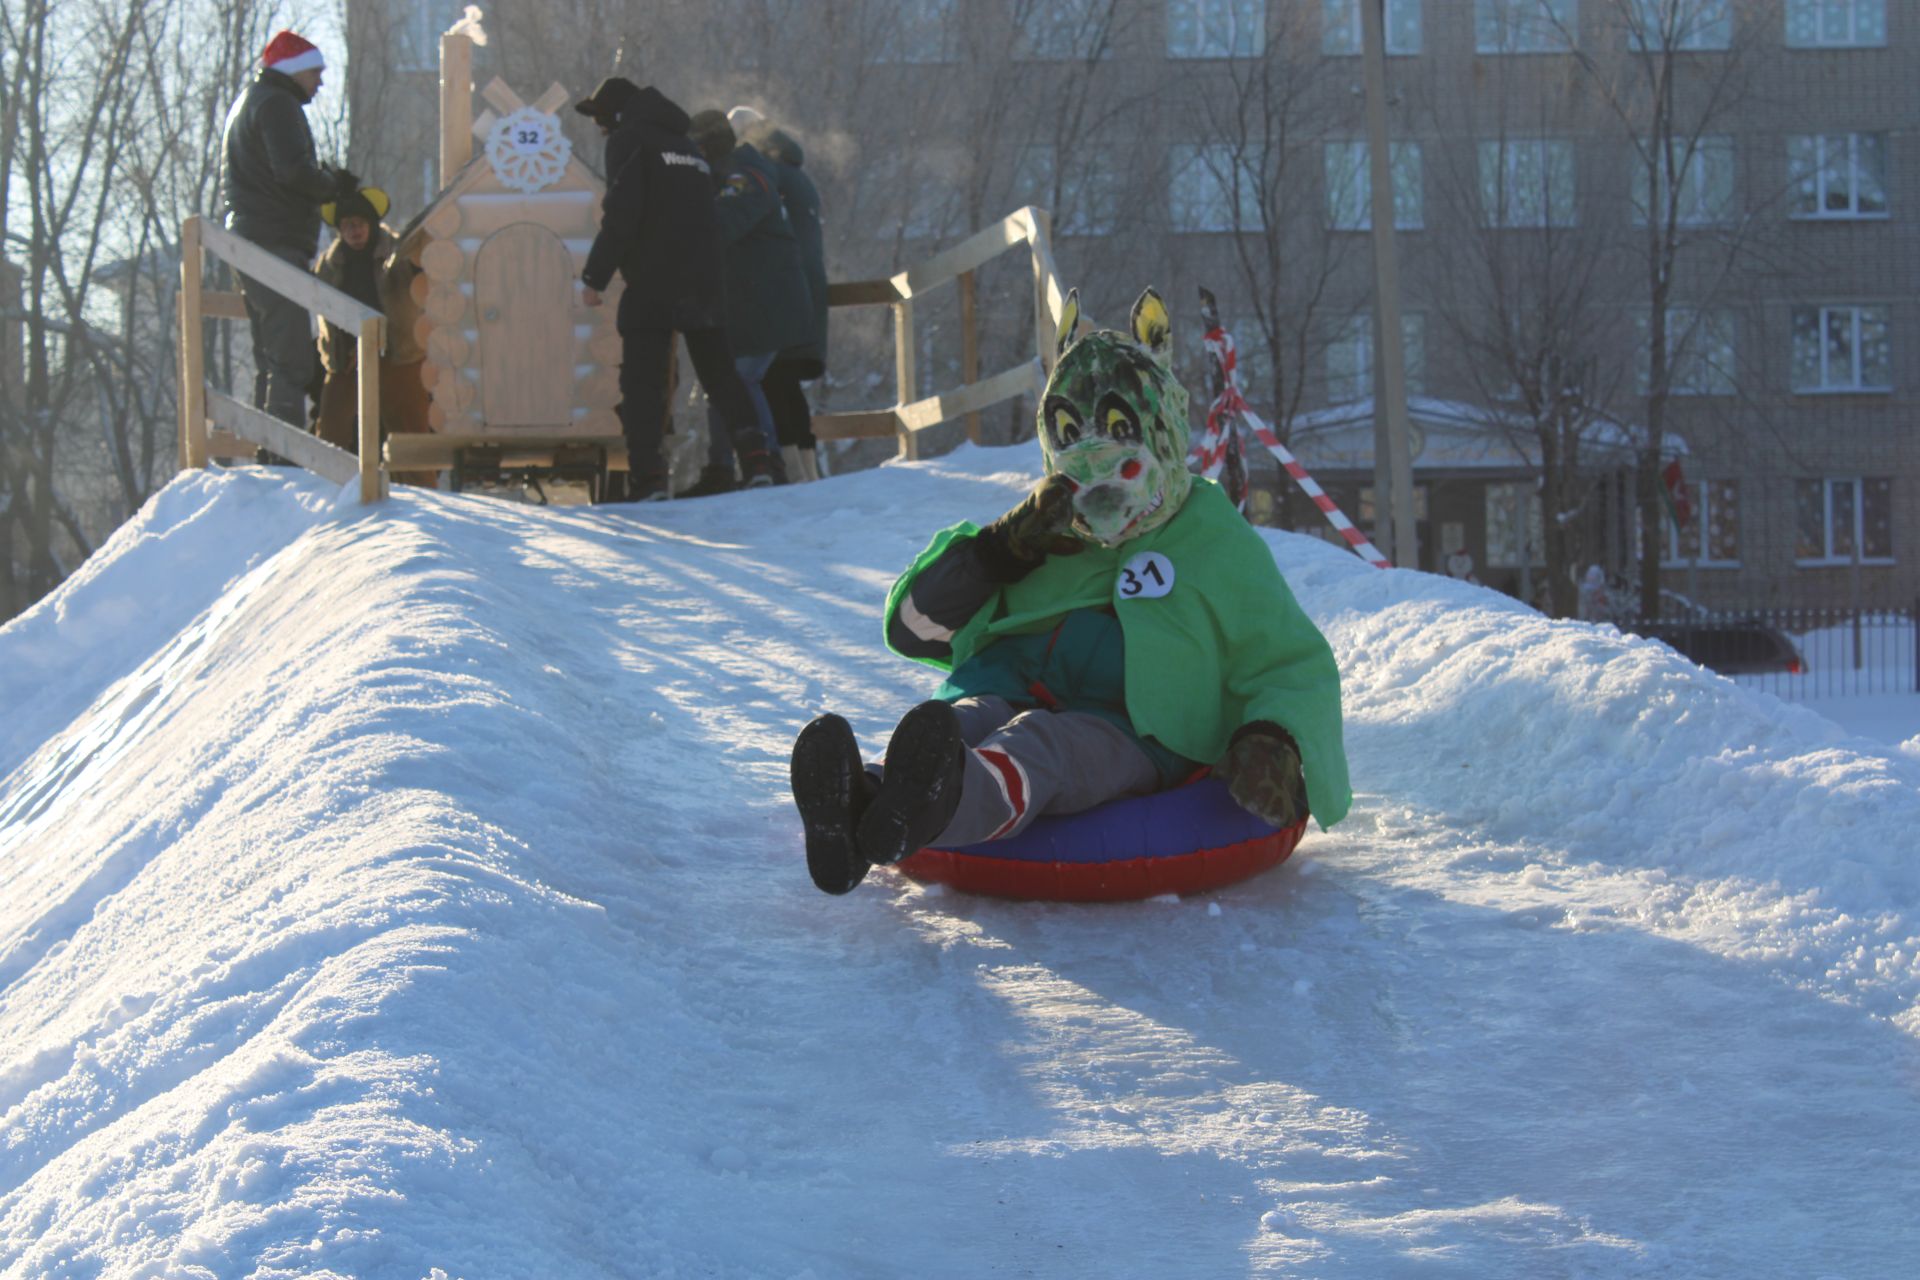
point(658, 229)
point(274, 189)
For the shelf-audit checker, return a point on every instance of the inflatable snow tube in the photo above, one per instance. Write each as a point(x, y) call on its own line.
point(1190, 839)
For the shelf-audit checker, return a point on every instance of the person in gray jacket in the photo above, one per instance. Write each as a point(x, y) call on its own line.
point(274, 189)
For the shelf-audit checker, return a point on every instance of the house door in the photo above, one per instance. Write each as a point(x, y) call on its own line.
point(523, 296)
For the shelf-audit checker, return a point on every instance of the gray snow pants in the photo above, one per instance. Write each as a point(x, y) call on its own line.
point(1026, 763)
point(284, 355)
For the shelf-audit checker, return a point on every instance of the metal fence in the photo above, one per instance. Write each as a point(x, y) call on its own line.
point(1801, 653)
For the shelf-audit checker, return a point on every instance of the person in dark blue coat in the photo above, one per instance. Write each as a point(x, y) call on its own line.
point(786, 397)
point(660, 231)
point(768, 306)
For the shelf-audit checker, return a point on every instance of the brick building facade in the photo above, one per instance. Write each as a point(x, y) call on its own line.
point(1215, 142)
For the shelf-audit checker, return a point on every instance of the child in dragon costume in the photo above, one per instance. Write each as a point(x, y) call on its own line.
point(1117, 629)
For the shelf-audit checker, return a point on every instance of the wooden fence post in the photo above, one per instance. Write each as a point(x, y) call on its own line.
point(371, 489)
point(969, 348)
point(193, 351)
point(906, 378)
point(1043, 323)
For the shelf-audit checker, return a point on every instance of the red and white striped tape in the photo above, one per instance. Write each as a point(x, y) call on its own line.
point(1211, 449)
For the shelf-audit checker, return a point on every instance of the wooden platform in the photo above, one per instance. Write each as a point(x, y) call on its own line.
point(436, 451)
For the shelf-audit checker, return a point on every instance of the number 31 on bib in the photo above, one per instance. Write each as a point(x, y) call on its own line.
point(1147, 576)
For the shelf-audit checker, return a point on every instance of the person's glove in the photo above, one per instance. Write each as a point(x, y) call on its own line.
point(345, 182)
point(1015, 544)
point(1262, 771)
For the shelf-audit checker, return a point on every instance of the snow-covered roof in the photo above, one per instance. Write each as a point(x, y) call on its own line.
point(1453, 435)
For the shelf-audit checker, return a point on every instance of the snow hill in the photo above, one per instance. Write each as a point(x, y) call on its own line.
point(413, 892)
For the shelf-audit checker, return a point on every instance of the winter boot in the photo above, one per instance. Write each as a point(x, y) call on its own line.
point(712, 480)
point(921, 790)
point(758, 466)
point(831, 788)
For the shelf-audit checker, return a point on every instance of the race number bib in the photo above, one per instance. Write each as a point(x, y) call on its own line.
point(1147, 576)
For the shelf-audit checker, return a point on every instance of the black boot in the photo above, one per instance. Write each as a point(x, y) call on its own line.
point(926, 762)
point(712, 480)
point(831, 788)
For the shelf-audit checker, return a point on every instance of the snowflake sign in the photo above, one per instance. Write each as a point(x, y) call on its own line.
point(528, 151)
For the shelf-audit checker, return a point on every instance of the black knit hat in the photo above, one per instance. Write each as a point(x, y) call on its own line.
point(712, 134)
point(609, 98)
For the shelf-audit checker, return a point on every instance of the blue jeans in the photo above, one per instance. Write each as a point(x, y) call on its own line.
point(720, 443)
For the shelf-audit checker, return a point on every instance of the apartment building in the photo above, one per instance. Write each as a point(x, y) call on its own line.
point(1218, 143)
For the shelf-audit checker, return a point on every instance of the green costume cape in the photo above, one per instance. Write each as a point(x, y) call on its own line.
point(1225, 645)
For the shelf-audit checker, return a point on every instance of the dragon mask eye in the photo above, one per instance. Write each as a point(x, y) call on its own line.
point(1063, 423)
point(1118, 421)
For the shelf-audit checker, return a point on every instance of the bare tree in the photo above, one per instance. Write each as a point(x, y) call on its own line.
point(1674, 76)
point(1525, 290)
point(115, 111)
point(66, 137)
point(1251, 141)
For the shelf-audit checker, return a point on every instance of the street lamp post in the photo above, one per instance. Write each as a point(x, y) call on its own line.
point(1393, 501)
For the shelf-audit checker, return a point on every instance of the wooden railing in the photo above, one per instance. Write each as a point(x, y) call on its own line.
point(1030, 228)
point(243, 428)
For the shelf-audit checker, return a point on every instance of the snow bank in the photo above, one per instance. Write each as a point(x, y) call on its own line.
point(413, 891)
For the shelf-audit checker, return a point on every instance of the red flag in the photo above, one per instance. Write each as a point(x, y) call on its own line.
point(1679, 496)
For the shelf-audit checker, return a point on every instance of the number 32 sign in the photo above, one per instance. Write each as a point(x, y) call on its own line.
point(528, 151)
point(1147, 576)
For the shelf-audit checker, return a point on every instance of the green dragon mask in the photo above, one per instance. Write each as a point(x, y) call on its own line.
point(1113, 419)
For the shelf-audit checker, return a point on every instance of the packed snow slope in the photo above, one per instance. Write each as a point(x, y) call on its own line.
point(414, 891)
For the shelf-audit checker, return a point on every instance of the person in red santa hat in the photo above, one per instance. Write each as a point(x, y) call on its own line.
point(274, 189)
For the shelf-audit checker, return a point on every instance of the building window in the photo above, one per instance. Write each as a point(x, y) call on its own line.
point(915, 31)
point(1084, 199)
point(416, 31)
point(1524, 26)
point(1704, 166)
point(1699, 352)
point(1216, 28)
point(1836, 24)
point(1838, 175)
point(1841, 349)
point(1350, 357)
point(1527, 182)
point(1350, 186)
point(1063, 30)
point(1716, 517)
point(1688, 25)
point(1514, 525)
point(1838, 516)
point(1340, 27)
point(1213, 189)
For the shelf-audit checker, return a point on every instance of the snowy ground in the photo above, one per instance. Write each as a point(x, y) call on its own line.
point(414, 892)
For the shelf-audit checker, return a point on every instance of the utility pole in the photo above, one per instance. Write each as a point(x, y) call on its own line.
point(1392, 457)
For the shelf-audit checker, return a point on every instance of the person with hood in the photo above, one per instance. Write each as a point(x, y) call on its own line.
point(1119, 627)
point(273, 188)
point(786, 397)
point(365, 263)
point(768, 308)
point(659, 230)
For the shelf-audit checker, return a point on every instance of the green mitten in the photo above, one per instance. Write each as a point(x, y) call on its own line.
point(1262, 770)
point(1012, 546)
